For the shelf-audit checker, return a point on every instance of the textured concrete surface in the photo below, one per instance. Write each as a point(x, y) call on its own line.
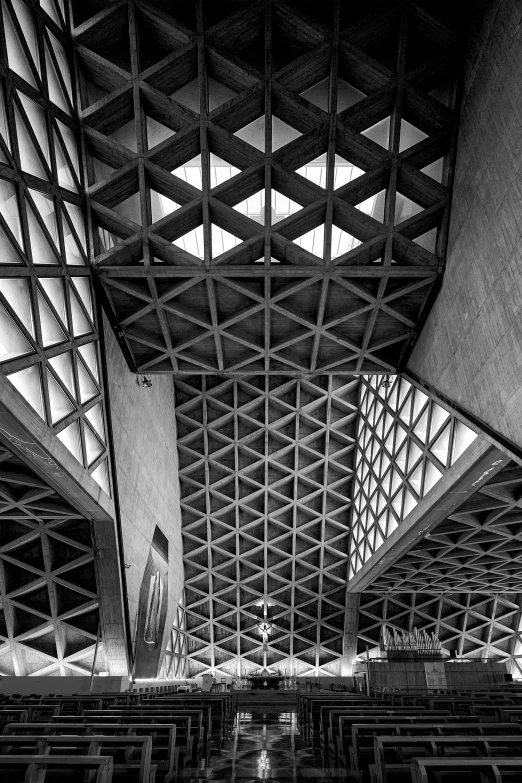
point(144, 430)
point(471, 346)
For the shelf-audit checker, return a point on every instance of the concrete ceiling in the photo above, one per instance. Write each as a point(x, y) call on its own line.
point(269, 182)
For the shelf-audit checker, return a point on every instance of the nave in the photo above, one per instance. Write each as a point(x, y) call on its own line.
point(265, 744)
point(242, 737)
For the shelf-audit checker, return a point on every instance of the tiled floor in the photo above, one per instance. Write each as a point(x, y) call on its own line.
point(265, 745)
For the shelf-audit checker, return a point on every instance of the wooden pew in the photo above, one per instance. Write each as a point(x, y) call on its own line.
point(36, 768)
point(513, 714)
point(330, 730)
point(308, 707)
point(222, 707)
point(466, 770)
point(8, 714)
point(345, 739)
point(361, 752)
point(200, 726)
point(393, 755)
point(189, 723)
point(165, 754)
point(93, 745)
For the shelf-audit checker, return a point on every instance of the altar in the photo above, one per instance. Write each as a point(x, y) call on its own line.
point(263, 682)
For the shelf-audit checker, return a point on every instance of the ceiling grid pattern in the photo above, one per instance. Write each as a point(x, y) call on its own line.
point(49, 602)
point(265, 475)
point(476, 549)
point(48, 331)
point(406, 442)
point(270, 181)
point(474, 626)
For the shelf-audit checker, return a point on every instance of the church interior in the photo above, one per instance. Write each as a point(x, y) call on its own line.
point(260, 391)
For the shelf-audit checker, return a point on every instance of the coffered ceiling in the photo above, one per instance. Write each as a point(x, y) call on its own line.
point(269, 181)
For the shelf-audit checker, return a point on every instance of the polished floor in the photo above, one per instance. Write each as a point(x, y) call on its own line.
point(265, 744)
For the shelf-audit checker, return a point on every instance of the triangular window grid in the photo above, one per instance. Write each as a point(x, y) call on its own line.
point(379, 133)
point(312, 241)
point(344, 172)
point(420, 430)
point(46, 212)
point(188, 95)
point(71, 439)
point(49, 7)
point(130, 208)
point(161, 205)
point(16, 293)
point(88, 389)
point(441, 446)
point(66, 158)
point(5, 136)
point(11, 215)
point(432, 476)
point(435, 170)
point(428, 240)
point(463, 437)
point(414, 454)
point(342, 242)
point(319, 95)
point(52, 332)
point(94, 448)
point(254, 133)
point(125, 135)
point(221, 171)
point(32, 138)
point(75, 217)
point(410, 135)
point(18, 57)
point(29, 383)
point(315, 171)
point(405, 208)
point(43, 250)
point(157, 132)
point(13, 342)
point(57, 93)
point(191, 172)
point(254, 207)
point(63, 368)
point(63, 66)
point(88, 352)
point(83, 289)
point(59, 403)
point(192, 242)
point(439, 417)
point(374, 206)
point(54, 291)
point(80, 322)
point(222, 240)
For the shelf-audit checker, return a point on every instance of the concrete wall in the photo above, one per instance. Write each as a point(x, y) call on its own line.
point(471, 346)
point(144, 431)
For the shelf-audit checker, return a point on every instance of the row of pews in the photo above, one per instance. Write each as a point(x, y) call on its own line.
point(133, 738)
point(465, 737)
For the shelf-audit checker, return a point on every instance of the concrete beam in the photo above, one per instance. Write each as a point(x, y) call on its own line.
point(478, 464)
point(24, 433)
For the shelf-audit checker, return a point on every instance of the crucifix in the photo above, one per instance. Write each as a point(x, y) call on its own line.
point(265, 627)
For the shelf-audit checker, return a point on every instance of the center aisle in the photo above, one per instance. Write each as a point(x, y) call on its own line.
point(266, 744)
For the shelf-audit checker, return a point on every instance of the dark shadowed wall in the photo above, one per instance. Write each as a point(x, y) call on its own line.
point(471, 346)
